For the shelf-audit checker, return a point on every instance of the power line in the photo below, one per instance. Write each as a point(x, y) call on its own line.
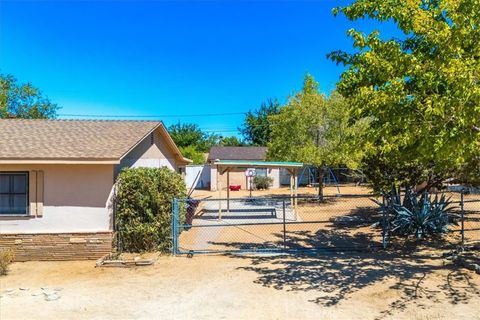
point(151, 116)
point(220, 131)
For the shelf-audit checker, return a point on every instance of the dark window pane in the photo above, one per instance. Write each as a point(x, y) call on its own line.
point(4, 203)
point(20, 183)
point(4, 183)
point(13, 193)
point(19, 204)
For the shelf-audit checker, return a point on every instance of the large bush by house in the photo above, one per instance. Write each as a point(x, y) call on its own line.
point(144, 207)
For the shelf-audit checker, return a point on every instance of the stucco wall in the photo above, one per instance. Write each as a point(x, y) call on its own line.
point(275, 175)
point(152, 153)
point(75, 200)
point(237, 177)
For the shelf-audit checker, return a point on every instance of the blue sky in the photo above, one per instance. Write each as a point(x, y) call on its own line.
point(172, 57)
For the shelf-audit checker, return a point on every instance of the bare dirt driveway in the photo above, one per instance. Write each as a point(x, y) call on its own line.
point(328, 286)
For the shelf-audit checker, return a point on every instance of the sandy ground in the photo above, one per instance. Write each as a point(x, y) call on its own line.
point(341, 286)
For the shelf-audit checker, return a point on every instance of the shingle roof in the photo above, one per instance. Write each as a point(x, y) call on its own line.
point(237, 153)
point(70, 139)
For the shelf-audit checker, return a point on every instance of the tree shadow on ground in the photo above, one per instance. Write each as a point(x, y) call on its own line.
point(359, 217)
point(335, 276)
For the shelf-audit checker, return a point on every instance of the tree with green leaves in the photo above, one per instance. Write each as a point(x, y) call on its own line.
point(190, 134)
point(191, 152)
point(315, 130)
point(23, 100)
point(231, 141)
point(256, 128)
point(193, 142)
point(421, 91)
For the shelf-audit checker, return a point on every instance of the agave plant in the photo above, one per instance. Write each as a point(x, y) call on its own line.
point(422, 216)
point(393, 198)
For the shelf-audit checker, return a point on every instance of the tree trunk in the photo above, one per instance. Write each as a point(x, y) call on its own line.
point(321, 174)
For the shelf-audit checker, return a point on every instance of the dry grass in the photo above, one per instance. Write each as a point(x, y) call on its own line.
point(6, 257)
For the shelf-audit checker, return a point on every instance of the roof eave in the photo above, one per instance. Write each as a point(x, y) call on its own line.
point(264, 164)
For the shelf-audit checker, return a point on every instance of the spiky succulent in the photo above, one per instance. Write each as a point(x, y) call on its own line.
point(422, 216)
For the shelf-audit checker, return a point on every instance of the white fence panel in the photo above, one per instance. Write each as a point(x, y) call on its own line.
point(204, 179)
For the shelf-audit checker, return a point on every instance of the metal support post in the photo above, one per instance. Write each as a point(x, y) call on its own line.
point(462, 213)
point(284, 228)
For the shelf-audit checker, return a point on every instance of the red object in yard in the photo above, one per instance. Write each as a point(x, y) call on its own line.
point(235, 187)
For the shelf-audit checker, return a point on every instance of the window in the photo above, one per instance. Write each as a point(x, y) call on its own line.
point(13, 193)
point(261, 172)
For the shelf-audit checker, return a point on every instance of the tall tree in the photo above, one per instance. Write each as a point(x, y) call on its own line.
point(230, 142)
point(315, 130)
point(191, 152)
point(190, 134)
point(421, 91)
point(256, 128)
point(23, 100)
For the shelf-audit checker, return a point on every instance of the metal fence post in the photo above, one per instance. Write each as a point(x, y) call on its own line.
point(116, 227)
point(386, 221)
point(462, 214)
point(384, 224)
point(175, 227)
point(284, 227)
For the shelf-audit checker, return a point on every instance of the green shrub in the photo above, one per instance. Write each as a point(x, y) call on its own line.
point(6, 257)
point(262, 182)
point(143, 205)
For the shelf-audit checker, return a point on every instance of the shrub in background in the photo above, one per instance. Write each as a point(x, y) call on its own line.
point(6, 257)
point(262, 182)
point(143, 205)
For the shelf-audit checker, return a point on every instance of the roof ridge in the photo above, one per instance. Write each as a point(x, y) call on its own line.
point(239, 146)
point(81, 120)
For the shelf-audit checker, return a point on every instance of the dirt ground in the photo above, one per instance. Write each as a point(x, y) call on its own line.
point(340, 286)
point(331, 285)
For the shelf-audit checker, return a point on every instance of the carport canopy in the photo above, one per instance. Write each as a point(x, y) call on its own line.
point(224, 166)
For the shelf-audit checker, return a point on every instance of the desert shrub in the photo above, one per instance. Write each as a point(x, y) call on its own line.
point(143, 205)
point(422, 216)
point(6, 257)
point(262, 182)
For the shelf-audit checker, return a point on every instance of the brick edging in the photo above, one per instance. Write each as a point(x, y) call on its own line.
point(58, 246)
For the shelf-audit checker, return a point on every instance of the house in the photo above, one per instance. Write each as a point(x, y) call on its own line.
point(57, 178)
point(237, 175)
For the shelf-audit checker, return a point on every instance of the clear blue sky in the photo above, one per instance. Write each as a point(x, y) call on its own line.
point(172, 57)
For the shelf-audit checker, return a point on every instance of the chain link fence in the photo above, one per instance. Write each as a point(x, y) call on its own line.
point(284, 224)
